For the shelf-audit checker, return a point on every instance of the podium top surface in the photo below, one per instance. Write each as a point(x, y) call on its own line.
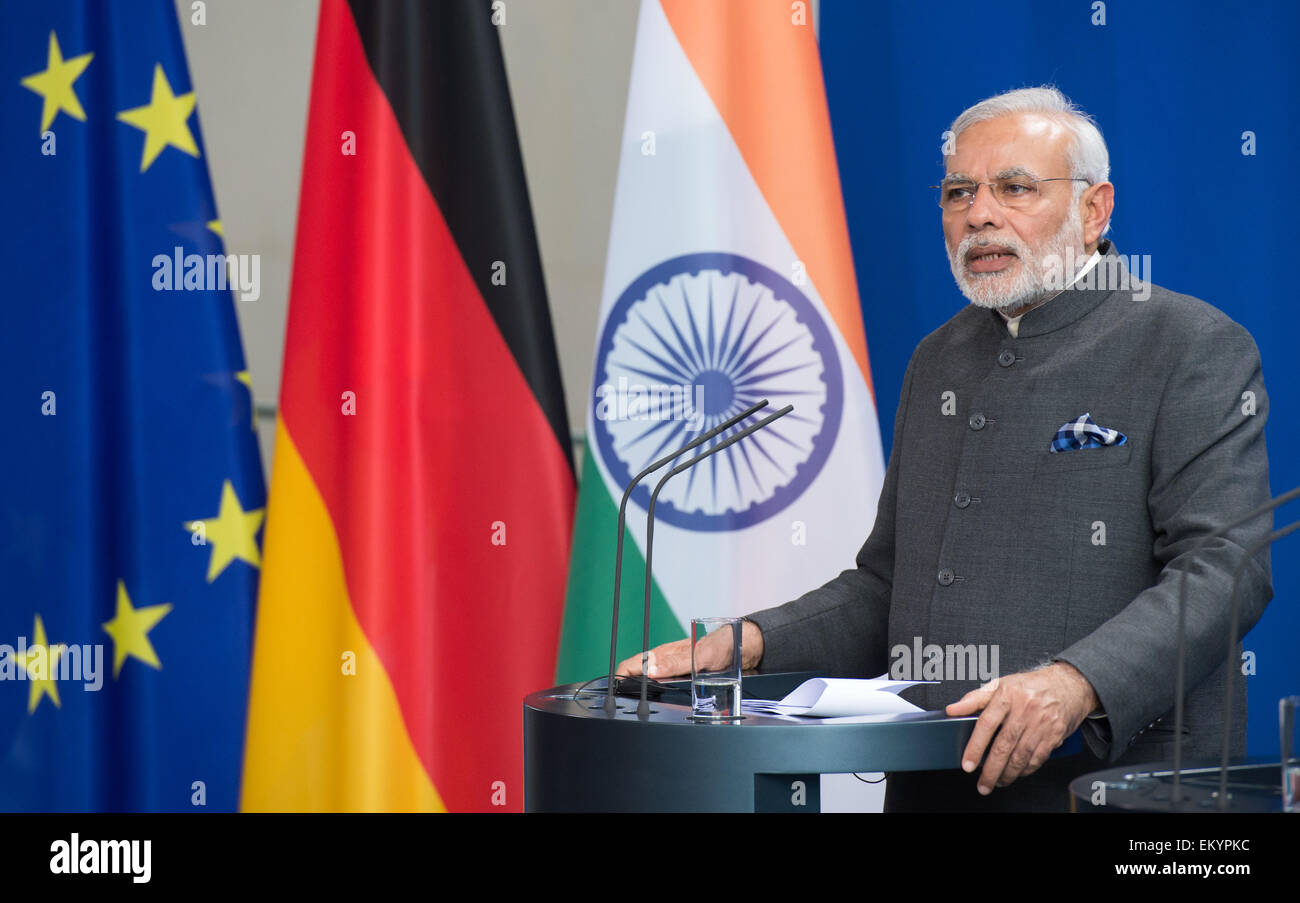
point(562, 719)
point(566, 701)
point(1254, 785)
point(578, 758)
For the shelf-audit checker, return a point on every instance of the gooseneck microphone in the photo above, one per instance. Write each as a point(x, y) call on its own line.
point(1234, 610)
point(610, 705)
point(643, 708)
point(1174, 797)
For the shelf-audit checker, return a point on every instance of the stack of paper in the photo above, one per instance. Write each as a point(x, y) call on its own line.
point(836, 697)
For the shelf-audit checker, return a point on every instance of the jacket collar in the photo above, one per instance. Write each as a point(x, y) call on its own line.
point(1073, 303)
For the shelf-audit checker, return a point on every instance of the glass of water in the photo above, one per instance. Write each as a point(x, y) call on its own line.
point(715, 692)
point(1290, 755)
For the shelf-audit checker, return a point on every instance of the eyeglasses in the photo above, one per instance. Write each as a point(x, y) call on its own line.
point(1016, 193)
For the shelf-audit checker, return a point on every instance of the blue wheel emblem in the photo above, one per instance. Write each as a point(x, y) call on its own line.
point(693, 341)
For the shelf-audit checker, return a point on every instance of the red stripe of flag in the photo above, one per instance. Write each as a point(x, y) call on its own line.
point(448, 449)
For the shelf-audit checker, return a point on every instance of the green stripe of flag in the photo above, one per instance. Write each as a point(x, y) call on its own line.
point(584, 639)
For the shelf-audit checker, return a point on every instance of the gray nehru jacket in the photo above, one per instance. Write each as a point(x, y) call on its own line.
point(984, 537)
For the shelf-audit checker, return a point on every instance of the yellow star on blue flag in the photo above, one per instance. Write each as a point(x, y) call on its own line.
point(163, 120)
point(40, 664)
point(130, 628)
point(55, 84)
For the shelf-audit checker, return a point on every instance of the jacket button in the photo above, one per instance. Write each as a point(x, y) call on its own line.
point(946, 577)
point(1006, 358)
point(977, 421)
point(961, 499)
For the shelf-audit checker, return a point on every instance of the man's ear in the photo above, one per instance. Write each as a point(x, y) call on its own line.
point(1095, 207)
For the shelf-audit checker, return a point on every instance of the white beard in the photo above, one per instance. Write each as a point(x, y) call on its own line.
point(1028, 286)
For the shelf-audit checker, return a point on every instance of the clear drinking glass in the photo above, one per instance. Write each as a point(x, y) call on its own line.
point(715, 694)
point(1290, 754)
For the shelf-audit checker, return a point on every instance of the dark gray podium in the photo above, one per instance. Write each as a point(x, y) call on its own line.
point(1254, 785)
point(578, 759)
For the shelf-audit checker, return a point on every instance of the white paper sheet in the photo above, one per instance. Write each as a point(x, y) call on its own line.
point(836, 697)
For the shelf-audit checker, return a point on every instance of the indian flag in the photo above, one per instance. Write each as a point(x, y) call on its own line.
point(729, 280)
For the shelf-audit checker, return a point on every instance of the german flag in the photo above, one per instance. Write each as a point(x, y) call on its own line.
point(421, 496)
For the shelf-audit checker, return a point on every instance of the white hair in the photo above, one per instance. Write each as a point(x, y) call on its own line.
point(1089, 158)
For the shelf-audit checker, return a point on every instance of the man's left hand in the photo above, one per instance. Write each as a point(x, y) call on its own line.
point(1031, 712)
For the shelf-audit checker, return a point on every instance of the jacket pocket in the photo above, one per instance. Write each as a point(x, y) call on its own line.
point(1085, 459)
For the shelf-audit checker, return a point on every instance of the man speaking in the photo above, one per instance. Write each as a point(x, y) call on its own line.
point(1060, 447)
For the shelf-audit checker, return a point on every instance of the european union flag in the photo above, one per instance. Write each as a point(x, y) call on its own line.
point(132, 497)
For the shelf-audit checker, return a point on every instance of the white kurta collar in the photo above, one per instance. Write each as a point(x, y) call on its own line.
point(1013, 323)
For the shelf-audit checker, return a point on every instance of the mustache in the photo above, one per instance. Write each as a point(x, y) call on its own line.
point(971, 242)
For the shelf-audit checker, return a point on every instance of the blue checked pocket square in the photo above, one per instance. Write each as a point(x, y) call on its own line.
point(1082, 432)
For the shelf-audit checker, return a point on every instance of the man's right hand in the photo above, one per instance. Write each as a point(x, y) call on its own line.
point(713, 653)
